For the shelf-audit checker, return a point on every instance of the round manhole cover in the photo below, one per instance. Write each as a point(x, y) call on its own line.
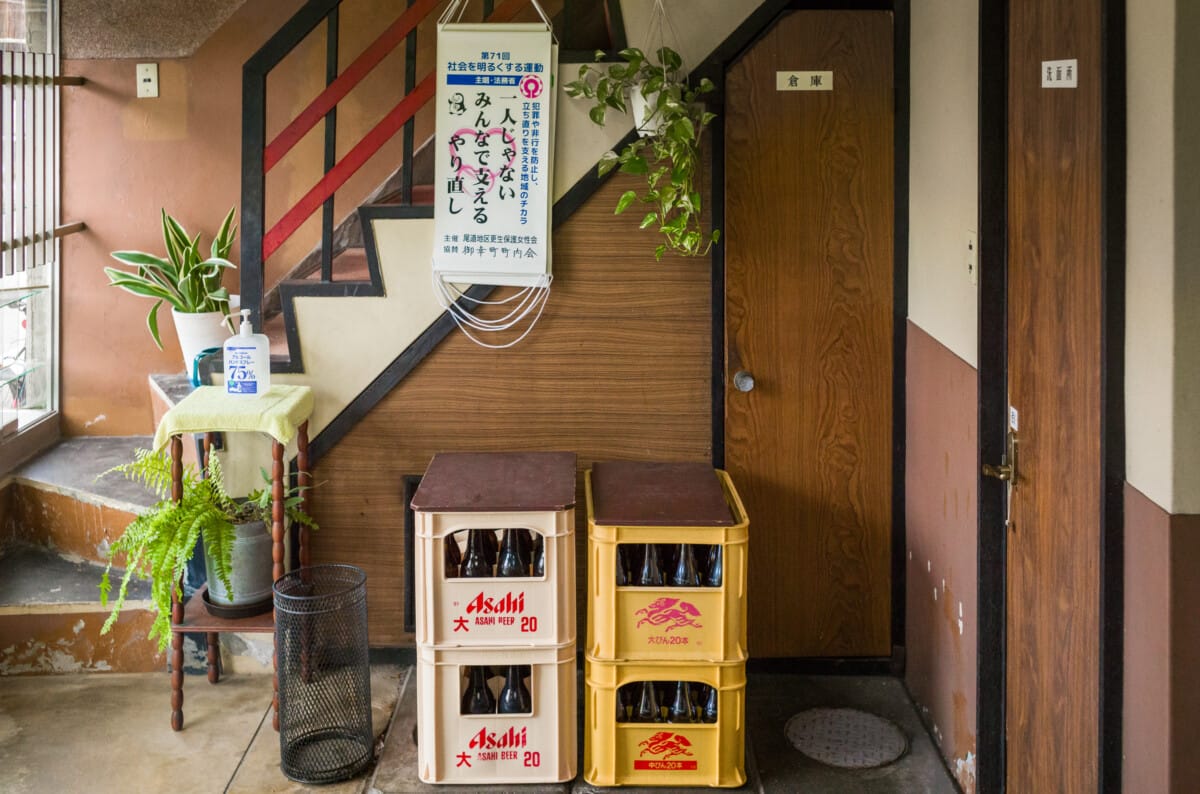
point(846, 738)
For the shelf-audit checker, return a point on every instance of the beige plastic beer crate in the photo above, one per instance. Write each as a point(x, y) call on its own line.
point(493, 492)
point(637, 504)
point(667, 754)
point(539, 747)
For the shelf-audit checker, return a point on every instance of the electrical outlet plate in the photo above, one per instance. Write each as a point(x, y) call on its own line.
point(147, 80)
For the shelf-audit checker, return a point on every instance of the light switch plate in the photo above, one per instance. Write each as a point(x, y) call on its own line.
point(147, 80)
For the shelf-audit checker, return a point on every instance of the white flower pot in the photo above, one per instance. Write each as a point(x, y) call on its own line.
point(198, 332)
point(643, 108)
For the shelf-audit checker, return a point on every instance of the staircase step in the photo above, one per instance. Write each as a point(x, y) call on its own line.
point(349, 265)
point(57, 500)
point(50, 618)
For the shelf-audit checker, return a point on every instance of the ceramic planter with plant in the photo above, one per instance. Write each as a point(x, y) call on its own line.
point(190, 285)
point(670, 119)
point(158, 544)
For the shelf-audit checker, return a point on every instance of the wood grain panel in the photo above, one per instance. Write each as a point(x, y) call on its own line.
point(1054, 365)
point(619, 368)
point(809, 281)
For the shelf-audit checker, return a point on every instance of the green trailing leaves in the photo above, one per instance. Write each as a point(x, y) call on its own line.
point(183, 279)
point(669, 145)
point(159, 542)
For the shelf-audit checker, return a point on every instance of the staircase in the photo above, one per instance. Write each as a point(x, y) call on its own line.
point(56, 522)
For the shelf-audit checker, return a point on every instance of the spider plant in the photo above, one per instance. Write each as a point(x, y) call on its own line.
point(189, 284)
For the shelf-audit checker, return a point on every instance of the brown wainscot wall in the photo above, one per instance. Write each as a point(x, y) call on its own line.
point(1161, 730)
point(941, 517)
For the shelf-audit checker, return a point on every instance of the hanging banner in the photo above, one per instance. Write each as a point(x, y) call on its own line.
point(494, 153)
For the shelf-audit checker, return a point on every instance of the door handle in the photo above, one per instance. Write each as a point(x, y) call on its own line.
point(1001, 472)
point(1007, 470)
point(743, 381)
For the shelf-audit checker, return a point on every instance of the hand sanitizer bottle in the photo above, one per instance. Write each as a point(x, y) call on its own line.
point(247, 361)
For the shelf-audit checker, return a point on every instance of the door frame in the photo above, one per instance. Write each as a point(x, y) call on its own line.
point(747, 34)
point(991, 749)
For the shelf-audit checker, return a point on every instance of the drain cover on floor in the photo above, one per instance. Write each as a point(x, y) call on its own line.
point(846, 738)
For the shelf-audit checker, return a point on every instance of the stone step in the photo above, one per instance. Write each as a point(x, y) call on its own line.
point(51, 616)
point(59, 501)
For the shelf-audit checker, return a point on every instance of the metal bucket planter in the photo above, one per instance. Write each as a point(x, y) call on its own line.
point(250, 574)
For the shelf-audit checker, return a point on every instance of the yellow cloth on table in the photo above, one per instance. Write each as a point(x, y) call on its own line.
point(278, 413)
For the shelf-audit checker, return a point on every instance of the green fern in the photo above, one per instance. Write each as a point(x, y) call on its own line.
point(158, 543)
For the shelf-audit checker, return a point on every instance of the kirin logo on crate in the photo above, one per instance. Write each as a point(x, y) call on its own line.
point(506, 745)
point(484, 611)
point(668, 614)
point(668, 752)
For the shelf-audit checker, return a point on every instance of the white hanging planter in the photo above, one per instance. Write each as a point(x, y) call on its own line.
point(642, 109)
point(199, 331)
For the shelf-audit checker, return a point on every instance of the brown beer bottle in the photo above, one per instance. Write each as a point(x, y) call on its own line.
point(685, 573)
point(475, 564)
point(453, 557)
point(712, 577)
point(651, 573)
point(709, 712)
point(511, 562)
point(514, 697)
point(622, 567)
point(623, 703)
point(647, 709)
point(478, 699)
point(490, 545)
point(681, 708)
point(525, 537)
point(539, 555)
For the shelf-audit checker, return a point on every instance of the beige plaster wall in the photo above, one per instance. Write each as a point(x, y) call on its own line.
point(944, 172)
point(1186, 449)
point(1150, 342)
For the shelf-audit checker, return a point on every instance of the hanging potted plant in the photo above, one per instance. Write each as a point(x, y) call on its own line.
point(670, 118)
point(200, 305)
point(158, 544)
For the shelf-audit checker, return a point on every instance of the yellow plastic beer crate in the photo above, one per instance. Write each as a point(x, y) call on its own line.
point(493, 492)
point(479, 749)
point(667, 754)
point(665, 623)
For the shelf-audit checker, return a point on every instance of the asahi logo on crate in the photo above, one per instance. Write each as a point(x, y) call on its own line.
point(671, 614)
point(506, 745)
point(485, 610)
point(666, 745)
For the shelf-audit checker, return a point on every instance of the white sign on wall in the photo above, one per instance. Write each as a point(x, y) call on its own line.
point(494, 155)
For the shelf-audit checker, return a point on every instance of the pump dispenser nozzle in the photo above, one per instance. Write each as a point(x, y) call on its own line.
point(246, 328)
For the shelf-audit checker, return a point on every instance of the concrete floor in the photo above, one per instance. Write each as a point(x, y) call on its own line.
point(109, 733)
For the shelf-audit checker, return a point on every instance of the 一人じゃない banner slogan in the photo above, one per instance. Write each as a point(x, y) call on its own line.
point(494, 153)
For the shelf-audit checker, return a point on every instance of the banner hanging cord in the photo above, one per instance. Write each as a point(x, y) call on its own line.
point(449, 295)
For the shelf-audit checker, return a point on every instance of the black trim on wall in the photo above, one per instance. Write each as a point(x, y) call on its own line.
point(1112, 437)
point(901, 27)
point(992, 541)
point(718, 278)
point(331, 73)
point(411, 481)
point(747, 34)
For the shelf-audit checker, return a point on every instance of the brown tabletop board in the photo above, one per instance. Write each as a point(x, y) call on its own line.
point(497, 482)
point(658, 495)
